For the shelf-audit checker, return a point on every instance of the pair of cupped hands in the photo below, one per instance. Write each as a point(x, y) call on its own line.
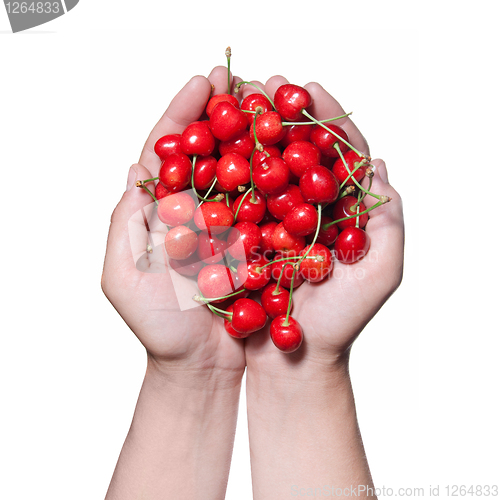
point(332, 313)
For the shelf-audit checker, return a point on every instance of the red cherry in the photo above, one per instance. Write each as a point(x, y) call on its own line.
point(252, 101)
point(327, 162)
point(213, 217)
point(345, 208)
point(271, 175)
point(175, 172)
point(259, 156)
point(176, 209)
point(167, 145)
point(268, 128)
point(286, 337)
point(221, 98)
point(248, 316)
point(210, 248)
point(280, 204)
point(242, 144)
point(232, 171)
point(352, 245)
point(290, 100)
point(188, 267)
point(180, 242)
point(250, 211)
point(215, 281)
point(275, 304)
point(325, 141)
point(301, 155)
point(197, 139)
point(285, 243)
point(325, 236)
point(301, 220)
point(353, 160)
point(229, 326)
point(227, 121)
point(286, 278)
point(244, 240)
point(253, 274)
point(204, 172)
point(161, 191)
point(315, 270)
point(318, 185)
point(266, 245)
point(296, 133)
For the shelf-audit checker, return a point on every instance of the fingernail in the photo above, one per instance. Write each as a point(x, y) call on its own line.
point(132, 177)
point(382, 172)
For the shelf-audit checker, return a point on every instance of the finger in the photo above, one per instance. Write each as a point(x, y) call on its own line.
point(235, 82)
point(385, 225)
point(247, 90)
point(218, 78)
point(274, 83)
point(128, 235)
point(186, 107)
point(325, 106)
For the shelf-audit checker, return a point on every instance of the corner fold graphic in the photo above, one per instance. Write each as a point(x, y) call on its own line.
point(25, 15)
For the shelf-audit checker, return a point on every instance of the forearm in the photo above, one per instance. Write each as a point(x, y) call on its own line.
point(304, 434)
point(181, 438)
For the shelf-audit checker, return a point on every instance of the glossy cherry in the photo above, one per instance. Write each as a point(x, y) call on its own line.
point(216, 99)
point(252, 101)
point(355, 163)
point(280, 204)
point(176, 209)
point(167, 145)
point(286, 335)
point(271, 175)
point(175, 172)
point(275, 300)
point(227, 121)
point(319, 185)
point(266, 245)
point(325, 141)
point(215, 281)
point(233, 170)
point(229, 326)
point(161, 191)
point(197, 139)
point(326, 236)
point(286, 277)
point(204, 172)
point(302, 220)
point(345, 207)
point(253, 273)
point(260, 156)
point(352, 245)
point(213, 217)
point(242, 144)
point(210, 248)
point(243, 241)
point(248, 316)
point(268, 128)
point(296, 133)
point(285, 243)
point(290, 100)
point(249, 210)
point(301, 155)
point(317, 269)
point(181, 242)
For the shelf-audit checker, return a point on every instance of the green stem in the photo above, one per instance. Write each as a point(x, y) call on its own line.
point(241, 203)
point(333, 133)
point(192, 183)
point(277, 289)
point(227, 200)
point(150, 193)
point(381, 202)
point(207, 194)
point(318, 121)
point(351, 173)
point(258, 88)
point(150, 180)
point(228, 57)
point(285, 323)
point(337, 147)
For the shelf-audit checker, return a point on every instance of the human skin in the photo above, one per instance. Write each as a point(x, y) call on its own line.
point(302, 419)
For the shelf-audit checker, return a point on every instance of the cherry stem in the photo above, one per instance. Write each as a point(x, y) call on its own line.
point(358, 166)
point(318, 121)
point(142, 186)
point(286, 323)
point(337, 147)
point(203, 299)
point(259, 269)
point(277, 289)
point(208, 192)
point(258, 88)
point(241, 203)
point(148, 180)
point(228, 57)
point(347, 191)
point(384, 199)
point(369, 187)
point(333, 133)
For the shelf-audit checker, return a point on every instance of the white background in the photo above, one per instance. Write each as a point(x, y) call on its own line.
point(78, 98)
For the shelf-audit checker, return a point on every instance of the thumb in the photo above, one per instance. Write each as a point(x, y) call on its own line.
point(128, 235)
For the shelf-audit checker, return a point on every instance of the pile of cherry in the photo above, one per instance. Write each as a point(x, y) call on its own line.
point(256, 200)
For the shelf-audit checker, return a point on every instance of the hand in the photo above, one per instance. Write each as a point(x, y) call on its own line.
point(332, 313)
point(143, 293)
